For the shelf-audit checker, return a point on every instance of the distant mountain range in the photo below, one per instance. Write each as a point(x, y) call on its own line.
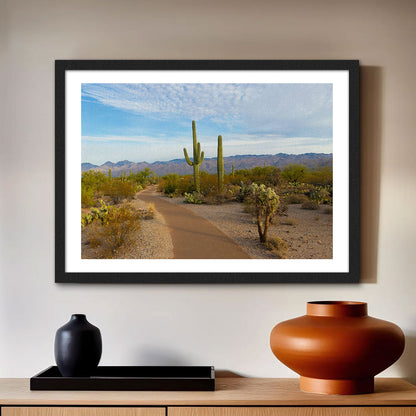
point(179, 166)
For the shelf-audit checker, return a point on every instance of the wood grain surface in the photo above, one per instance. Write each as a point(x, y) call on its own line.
point(229, 392)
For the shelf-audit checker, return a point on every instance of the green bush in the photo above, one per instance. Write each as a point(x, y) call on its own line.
point(193, 198)
point(320, 176)
point(169, 184)
point(294, 173)
point(118, 190)
point(92, 183)
point(87, 197)
point(322, 195)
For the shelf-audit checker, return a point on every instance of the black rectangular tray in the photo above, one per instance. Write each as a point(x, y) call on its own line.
point(159, 378)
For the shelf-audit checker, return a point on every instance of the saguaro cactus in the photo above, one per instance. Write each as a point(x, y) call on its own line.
point(220, 165)
point(198, 158)
point(109, 174)
point(232, 170)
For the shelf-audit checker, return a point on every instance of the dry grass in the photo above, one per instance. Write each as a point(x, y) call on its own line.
point(288, 221)
point(312, 205)
point(277, 246)
point(150, 212)
point(116, 231)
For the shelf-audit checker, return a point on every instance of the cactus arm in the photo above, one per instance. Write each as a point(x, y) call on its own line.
point(187, 157)
point(198, 152)
point(202, 158)
point(194, 139)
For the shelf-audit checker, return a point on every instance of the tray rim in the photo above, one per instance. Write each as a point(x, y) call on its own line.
point(39, 376)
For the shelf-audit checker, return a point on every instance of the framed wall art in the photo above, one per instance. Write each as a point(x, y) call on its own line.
point(207, 171)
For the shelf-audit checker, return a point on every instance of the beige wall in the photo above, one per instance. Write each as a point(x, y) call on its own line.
point(226, 326)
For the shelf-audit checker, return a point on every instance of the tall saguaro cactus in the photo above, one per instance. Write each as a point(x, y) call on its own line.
point(198, 158)
point(220, 165)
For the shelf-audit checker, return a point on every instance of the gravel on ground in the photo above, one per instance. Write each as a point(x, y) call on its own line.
point(151, 241)
point(310, 236)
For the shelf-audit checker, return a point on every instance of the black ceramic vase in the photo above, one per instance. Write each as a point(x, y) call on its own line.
point(78, 347)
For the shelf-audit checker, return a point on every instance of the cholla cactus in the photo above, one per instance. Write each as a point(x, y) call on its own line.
point(198, 158)
point(265, 202)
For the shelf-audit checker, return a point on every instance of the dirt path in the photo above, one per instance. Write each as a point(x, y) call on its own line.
point(193, 236)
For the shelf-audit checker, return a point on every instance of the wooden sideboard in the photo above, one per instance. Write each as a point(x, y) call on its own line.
point(233, 397)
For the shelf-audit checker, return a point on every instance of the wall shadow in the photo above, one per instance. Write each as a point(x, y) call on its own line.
point(227, 374)
point(407, 362)
point(370, 166)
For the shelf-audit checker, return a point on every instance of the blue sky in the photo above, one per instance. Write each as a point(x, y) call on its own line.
point(149, 122)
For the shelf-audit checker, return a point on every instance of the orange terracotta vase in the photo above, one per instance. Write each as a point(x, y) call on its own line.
point(336, 348)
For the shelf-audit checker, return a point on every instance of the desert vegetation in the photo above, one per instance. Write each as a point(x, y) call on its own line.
point(109, 220)
point(266, 191)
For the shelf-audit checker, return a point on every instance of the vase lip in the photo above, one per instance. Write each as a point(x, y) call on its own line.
point(79, 316)
point(336, 308)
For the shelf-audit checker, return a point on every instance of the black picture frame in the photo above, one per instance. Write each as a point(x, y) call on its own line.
point(61, 70)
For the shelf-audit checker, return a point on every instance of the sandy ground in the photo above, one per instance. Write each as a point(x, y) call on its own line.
point(309, 238)
point(152, 241)
point(307, 233)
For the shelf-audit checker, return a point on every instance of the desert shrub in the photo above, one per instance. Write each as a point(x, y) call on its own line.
point(288, 221)
point(193, 198)
point(208, 184)
point(87, 197)
point(320, 176)
point(92, 183)
point(322, 195)
point(118, 190)
point(294, 173)
point(116, 229)
point(265, 202)
point(232, 190)
point(312, 205)
point(169, 183)
point(150, 212)
point(216, 198)
point(144, 177)
point(282, 210)
point(293, 198)
point(93, 179)
point(268, 175)
point(173, 185)
point(278, 246)
point(243, 193)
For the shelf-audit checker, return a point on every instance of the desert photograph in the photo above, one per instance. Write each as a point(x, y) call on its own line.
point(206, 171)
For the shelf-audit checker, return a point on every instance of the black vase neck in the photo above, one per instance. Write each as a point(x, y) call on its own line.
point(79, 317)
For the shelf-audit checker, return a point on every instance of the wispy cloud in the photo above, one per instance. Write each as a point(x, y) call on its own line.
point(286, 109)
point(153, 121)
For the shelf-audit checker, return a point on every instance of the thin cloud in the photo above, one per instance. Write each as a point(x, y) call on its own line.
point(285, 109)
